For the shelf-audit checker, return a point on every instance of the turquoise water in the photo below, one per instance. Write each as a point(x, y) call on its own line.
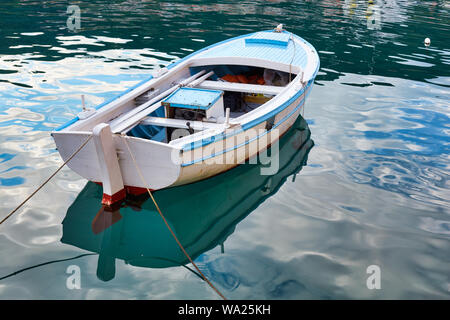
point(374, 190)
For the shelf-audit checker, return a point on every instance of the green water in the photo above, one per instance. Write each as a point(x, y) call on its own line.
point(373, 190)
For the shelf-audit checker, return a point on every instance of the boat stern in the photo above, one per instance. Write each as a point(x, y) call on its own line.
point(119, 162)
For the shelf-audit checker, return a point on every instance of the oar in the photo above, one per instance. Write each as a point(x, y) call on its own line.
point(151, 106)
point(116, 122)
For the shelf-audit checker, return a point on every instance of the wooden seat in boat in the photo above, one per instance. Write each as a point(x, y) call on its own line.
point(180, 123)
point(240, 87)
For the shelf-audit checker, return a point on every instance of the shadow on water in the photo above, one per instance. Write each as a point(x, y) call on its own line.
point(203, 215)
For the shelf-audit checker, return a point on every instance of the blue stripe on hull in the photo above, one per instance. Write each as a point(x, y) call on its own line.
point(297, 108)
point(251, 124)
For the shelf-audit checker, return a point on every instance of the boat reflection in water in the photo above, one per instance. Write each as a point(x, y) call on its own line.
point(202, 214)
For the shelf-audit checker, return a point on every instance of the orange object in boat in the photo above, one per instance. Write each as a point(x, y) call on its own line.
point(242, 78)
point(253, 78)
point(260, 80)
point(230, 78)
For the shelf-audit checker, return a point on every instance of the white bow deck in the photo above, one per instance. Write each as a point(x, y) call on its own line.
point(277, 50)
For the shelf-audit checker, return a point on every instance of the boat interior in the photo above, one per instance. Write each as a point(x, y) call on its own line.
point(194, 99)
point(203, 103)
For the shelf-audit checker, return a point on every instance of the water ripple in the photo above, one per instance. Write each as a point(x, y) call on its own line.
point(375, 190)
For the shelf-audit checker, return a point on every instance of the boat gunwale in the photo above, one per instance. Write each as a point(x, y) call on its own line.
point(244, 127)
point(244, 121)
point(185, 60)
point(285, 118)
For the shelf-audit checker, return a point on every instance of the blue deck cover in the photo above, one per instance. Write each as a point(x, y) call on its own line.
point(264, 45)
point(274, 38)
point(193, 98)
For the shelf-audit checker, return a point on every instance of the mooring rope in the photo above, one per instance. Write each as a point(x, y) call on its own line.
point(84, 255)
point(46, 181)
point(166, 223)
point(44, 264)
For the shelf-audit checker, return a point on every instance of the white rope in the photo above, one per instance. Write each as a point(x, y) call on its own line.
point(166, 223)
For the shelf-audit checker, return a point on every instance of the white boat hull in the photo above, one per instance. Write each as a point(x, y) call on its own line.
point(216, 148)
point(152, 157)
point(232, 152)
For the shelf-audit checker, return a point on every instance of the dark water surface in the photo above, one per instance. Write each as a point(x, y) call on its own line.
point(375, 190)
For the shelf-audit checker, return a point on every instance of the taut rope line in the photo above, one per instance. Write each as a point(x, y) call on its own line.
point(167, 224)
point(46, 181)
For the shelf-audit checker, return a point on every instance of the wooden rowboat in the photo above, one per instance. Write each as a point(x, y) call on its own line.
point(198, 117)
